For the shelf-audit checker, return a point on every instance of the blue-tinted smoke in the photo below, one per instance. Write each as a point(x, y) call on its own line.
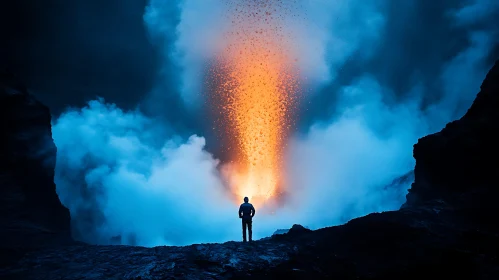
point(127, 179)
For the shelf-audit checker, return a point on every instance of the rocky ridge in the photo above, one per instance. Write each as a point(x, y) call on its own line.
point(30, 210)
point(447, 228)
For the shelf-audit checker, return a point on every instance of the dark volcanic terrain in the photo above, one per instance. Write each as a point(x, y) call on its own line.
point(448, 228)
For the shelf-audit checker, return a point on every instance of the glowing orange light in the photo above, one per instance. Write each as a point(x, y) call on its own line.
point(256, 89)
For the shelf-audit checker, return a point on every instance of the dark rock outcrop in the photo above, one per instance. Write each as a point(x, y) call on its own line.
point(31, 214)
point(447, 229)
point(460, 163)
point(297, 230)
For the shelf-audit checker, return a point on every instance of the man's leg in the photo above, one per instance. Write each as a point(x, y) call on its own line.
point(250, 230)
point(244, 231)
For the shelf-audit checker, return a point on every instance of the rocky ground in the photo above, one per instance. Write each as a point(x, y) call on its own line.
point(448, 227)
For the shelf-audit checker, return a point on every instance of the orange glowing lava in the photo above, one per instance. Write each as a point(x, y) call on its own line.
point(256, 93)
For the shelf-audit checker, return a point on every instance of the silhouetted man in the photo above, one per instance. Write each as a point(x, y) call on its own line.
point(246, 213)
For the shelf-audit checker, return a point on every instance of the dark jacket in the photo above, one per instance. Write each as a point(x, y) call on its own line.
point(246, 211)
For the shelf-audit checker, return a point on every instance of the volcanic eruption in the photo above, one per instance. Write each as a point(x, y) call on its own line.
point(254, 94)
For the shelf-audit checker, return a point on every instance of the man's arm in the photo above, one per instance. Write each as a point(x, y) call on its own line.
point(252, 210)
point(240, 212)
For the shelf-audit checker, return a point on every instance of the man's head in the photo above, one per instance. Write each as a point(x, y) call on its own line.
point(246, 199)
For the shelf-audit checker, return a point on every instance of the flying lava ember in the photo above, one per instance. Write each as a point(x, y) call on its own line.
point(255, 93)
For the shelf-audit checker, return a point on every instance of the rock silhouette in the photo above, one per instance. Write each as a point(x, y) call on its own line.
point(31, 212)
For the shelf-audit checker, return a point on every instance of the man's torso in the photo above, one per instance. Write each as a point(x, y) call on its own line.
point(246, 208)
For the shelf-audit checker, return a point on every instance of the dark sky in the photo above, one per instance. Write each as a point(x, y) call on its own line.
point(69, 52)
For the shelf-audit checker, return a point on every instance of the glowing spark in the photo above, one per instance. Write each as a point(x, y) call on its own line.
point(256, 92)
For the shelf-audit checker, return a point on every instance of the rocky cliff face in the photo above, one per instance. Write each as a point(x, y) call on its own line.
point(459, 165)
point(30, 211)
point(447, 229)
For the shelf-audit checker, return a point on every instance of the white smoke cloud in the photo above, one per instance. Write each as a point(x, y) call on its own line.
point(475, 11)
point(123, 174)
point(339, 168)
point(199, 34)
point(112, 176)
point(330, 32)
point(155, 195)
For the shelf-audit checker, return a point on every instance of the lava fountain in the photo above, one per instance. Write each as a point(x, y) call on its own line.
point(255, 89)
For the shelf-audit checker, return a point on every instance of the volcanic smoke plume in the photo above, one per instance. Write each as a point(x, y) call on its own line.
point(254, 88)
point(145, 177)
